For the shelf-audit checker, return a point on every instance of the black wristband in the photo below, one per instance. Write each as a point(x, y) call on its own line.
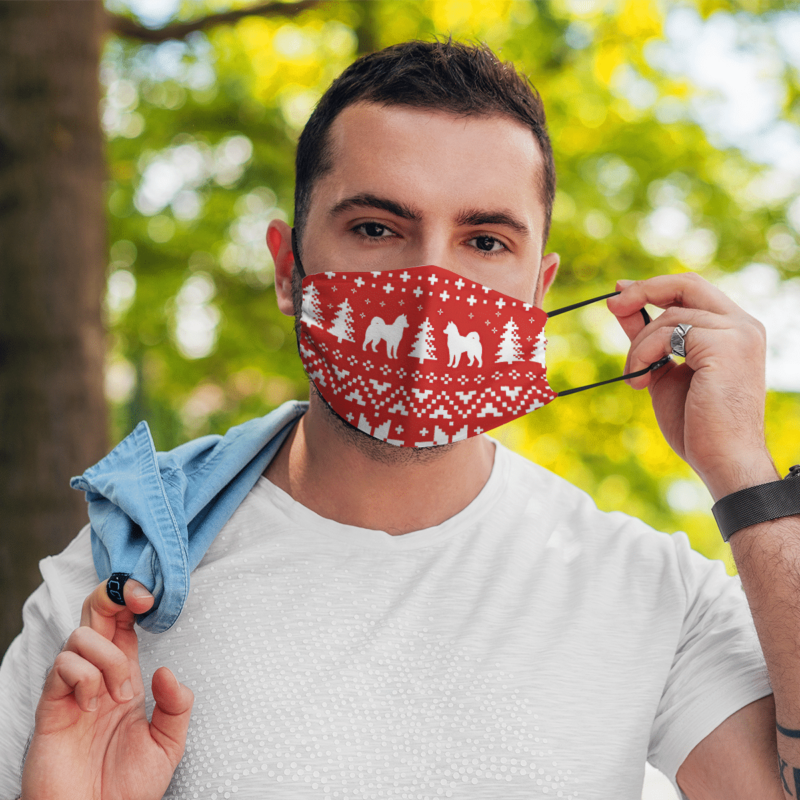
point(758, 504)
point(115, 585)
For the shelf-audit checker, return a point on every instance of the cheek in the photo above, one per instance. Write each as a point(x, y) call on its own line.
point(529, 288)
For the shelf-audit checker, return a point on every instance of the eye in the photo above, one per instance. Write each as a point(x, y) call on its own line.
point(374, 230)
point(487, 244)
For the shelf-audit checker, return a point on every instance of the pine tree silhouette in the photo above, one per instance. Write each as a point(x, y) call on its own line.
point(510, 349)
point(423, 348)
point(538, 349)
point(342, 327)
point(312, 311)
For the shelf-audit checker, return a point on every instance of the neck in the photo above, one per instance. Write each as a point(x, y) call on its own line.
point(326, 470)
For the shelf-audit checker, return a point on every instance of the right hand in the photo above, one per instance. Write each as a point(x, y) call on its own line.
point(92, 740)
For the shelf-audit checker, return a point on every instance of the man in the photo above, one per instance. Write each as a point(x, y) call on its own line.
point(385, 621)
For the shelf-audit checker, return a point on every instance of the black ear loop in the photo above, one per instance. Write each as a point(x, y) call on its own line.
point(644, 371)
point(296, 255)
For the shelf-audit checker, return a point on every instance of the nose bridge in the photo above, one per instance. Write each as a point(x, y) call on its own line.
point(438, 246)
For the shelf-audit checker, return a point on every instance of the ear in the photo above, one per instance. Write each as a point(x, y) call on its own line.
point(547, 274)
point(279, 242)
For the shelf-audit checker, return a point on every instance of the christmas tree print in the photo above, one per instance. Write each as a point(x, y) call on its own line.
point(342, 327)
point(312, 312)
point(538, 349)
point(510, 349)
point(423, 348)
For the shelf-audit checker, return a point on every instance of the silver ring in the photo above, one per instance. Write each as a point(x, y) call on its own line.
point(677, 340)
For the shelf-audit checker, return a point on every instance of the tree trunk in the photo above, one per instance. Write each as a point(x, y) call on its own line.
point(52, 267)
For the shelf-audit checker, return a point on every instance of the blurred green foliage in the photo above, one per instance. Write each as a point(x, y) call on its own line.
point(201, 138)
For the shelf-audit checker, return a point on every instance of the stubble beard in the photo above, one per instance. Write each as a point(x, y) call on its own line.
point(367, 445)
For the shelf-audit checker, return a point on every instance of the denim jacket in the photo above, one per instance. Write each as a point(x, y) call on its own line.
point(154, 515)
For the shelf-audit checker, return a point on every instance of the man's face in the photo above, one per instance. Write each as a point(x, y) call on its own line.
point(411, 187)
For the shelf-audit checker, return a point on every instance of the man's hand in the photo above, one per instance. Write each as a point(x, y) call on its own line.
point(92, 740)
point(710, 408)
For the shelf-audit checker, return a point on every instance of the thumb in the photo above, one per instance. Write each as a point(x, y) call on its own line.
point(171, 715)
point(102, 614)
point(137, 597)
point(631, 323)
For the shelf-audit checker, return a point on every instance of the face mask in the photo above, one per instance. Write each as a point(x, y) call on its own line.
point(421, 356)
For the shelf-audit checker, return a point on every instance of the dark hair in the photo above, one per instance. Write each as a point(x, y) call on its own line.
point(446, 76)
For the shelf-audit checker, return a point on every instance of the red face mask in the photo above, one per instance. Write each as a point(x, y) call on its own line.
point(420, 357)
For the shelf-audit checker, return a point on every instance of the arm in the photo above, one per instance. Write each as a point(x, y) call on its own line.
point(768, 559)
point(92, 740)
point(717, 763)
point(711, 411)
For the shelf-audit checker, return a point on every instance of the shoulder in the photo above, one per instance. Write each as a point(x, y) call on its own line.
point(568, 520)
point(557, 502)
point(69, 577)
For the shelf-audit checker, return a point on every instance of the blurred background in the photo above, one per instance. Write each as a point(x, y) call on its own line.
point(146, 144)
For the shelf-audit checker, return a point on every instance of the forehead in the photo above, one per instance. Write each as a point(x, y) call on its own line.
point(434, 157)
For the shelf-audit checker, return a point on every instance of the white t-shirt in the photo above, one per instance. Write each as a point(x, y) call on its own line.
point(529, 647)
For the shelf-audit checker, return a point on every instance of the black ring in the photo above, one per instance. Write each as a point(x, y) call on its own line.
point(115, 585)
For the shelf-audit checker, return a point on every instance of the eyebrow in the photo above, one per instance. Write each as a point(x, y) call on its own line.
point(476, 217)
point(467, 217)
point(367, 200)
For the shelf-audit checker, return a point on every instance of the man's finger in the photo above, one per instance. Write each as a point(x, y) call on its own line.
point(171, 715)
point(72, 674)
point(112, 662)
point(686, 290)
point(102, 614)
point(662, 327)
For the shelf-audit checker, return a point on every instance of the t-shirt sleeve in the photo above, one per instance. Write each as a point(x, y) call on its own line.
point(50, 614)
point(718, 666)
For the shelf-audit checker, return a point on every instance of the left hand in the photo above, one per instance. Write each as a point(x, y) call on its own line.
point(710, 408)
point(92, 739)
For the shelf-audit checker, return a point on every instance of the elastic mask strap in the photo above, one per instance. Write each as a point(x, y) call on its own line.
point(636, 374)
point(297, 261)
